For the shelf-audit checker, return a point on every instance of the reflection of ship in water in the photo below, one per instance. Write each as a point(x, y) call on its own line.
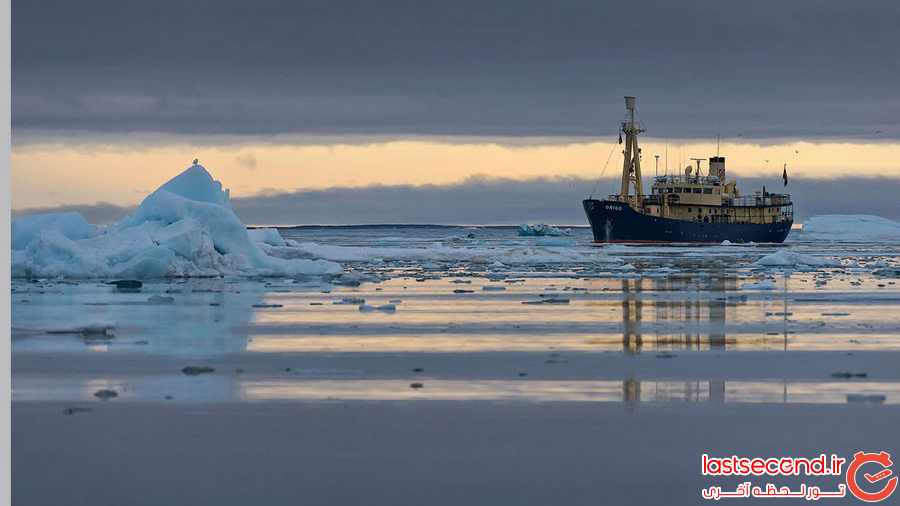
point(701, 317)
point(697, 307)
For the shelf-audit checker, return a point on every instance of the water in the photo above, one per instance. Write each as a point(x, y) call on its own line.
point(657, 324)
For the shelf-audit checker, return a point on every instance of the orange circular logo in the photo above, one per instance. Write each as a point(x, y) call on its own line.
point(882, 459)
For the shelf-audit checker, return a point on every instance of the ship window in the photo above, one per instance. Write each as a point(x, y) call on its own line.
point(707, 191)
point(697, 190)
point(677, 190)
point(668, 190)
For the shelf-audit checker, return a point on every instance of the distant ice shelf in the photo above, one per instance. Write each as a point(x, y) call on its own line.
point(849, 228)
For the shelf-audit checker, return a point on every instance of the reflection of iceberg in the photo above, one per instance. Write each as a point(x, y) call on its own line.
point(540, 229)
point(208, 316)
point(850, 228)
point(184, 228)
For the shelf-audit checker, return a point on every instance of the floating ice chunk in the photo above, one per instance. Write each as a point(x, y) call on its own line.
point(550, 300)
point(184, 228)
point(268, 236)
point(867, 398)
point(541, 229)
point(785, 258)
point(69, 225)
point(96, 328)
point(761, 285)
point(850, 228)
point(726, 242)
point(384, 308)
point(354, 301)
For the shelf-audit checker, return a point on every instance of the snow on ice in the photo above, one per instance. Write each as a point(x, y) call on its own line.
point(184, 228)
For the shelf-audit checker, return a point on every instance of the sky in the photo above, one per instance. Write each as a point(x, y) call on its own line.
point(332, 100)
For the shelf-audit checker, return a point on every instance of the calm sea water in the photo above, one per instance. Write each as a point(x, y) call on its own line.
point(485, 314)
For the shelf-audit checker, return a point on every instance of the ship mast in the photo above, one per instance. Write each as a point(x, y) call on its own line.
point(631, 168)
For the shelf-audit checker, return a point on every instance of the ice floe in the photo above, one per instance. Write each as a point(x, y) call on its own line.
point(540, 229)
point(184, 228)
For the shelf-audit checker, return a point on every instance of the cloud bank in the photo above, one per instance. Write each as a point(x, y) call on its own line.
point(753, 70)
point(501, 201)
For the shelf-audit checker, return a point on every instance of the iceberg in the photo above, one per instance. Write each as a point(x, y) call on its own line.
point(850, 228)
point(186, 228)
point(531, 230)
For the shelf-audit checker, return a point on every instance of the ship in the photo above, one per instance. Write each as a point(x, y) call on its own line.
point(687, 207)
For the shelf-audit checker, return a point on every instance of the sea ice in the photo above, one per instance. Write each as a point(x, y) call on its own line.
point(508, 255)
point(785, 258)
point(184, 228)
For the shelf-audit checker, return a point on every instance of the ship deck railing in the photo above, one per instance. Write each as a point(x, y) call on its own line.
point(740, 219)
point(692, 179)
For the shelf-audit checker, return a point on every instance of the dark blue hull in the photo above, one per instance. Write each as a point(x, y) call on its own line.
point(614, 221)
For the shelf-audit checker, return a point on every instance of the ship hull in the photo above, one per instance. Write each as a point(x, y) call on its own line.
point(614, 221)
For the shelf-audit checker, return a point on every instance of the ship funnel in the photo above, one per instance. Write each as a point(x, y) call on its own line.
point(629, 103)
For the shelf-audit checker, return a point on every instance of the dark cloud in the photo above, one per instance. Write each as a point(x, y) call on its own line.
point(500, 201)
point(761, 69)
